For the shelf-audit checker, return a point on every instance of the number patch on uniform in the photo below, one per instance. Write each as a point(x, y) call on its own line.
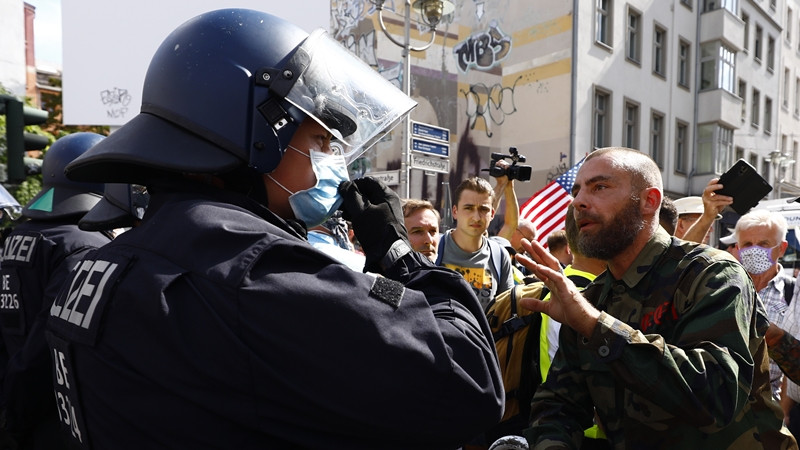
point(65, 389)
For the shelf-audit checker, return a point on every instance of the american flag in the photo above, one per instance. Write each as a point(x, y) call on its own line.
point(548, 207)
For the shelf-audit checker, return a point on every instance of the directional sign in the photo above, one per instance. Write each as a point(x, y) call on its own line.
point(430, 164)
point(430, 147)
point(428, 131)
point(390, 178)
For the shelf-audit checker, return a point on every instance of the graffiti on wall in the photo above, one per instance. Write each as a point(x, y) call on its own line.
point(490, 103)
point(483, 50)
point(352, 27)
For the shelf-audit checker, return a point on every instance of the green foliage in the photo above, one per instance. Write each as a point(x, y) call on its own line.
point(53, 129)
point(28, 189)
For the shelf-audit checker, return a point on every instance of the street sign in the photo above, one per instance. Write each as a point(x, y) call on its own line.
point(428, 131)
point(390, 178)
point(430, 147)
point(430, 164)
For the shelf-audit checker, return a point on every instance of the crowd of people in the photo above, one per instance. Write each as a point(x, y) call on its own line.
point(214, 279)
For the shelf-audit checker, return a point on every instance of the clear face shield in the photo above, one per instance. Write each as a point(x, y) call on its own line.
point(346, 96)
point(9, 206)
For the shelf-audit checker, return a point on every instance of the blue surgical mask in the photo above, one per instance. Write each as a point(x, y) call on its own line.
point(316, 204)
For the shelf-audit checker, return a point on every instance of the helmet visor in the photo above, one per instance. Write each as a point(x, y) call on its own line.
point(346, 96)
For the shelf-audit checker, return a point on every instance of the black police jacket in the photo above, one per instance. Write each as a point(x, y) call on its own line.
point(37, 257)
point(214, 325)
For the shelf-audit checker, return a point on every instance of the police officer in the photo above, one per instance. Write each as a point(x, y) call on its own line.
point(214, 324)
point(37, 257)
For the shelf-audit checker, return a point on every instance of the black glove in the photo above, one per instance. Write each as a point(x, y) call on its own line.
point(377, 219)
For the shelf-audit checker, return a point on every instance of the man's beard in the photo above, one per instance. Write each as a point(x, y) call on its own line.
point(614, 236)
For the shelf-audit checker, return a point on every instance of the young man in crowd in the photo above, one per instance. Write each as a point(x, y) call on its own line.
point(467, 249)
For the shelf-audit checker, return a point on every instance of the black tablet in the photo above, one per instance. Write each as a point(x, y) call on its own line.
point(745, 185)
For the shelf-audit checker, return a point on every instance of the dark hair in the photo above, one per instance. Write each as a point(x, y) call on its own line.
point(476, 184)
point(557, 240)
point(668, 215)
point(412, 205)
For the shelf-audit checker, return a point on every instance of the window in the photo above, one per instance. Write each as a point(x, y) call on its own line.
point(714, 148)
point(659, 50)
point(773, 4)
point(602, 118)
point(746, 20)
point(789, 21)
point(767, 115)
point(753, 160)
point(717, 67)
point(796, 97)
point(684, 63)
point(786, 81)
point(730, 5)
point(630, 134)
point(794, 157)
point(755, 108)
point(757, 44)
point(633, 41)
point(687, 3)
point(743, 96)
point(657, 138)
point(681, 146)
point(770, 53)
point(603, 22)
point(739, 153)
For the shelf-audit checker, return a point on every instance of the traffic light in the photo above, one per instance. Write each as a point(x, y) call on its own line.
point(17, 140)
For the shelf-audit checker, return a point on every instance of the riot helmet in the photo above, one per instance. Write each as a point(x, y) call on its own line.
point(229, 88)
point(122, 206)
point(60, 196)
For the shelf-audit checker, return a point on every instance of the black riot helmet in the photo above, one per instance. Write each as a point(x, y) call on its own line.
point(229, 88)
point(60, 196)
point(122, 206)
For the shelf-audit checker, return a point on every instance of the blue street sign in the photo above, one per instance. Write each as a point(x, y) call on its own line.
point(428, 131)
point(430, 147)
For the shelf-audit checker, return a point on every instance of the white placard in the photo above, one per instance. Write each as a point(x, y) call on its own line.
point(107, 47)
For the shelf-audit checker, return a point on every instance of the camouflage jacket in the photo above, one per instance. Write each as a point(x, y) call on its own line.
point(677, 359)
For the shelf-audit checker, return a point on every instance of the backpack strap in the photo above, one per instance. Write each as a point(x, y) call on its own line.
point(514, 322)
point(496, 257)
point(440, 249)
point(788, 290)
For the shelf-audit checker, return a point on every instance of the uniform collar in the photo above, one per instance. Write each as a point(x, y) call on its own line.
point(656, 247)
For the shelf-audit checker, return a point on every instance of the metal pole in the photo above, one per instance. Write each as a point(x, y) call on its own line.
point(405, 172)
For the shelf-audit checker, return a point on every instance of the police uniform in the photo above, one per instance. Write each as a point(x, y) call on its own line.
point(677, 359)
point(214, 323)
point(205, 329)
point(38, 256)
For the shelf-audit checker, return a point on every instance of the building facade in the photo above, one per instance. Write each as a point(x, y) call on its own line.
point(696, 84)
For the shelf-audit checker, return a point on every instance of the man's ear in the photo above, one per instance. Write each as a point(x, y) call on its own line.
point(651, 200)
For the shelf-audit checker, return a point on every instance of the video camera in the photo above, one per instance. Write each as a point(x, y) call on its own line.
point(514, 171)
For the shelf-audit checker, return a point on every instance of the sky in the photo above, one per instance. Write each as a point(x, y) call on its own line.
point(47, 29)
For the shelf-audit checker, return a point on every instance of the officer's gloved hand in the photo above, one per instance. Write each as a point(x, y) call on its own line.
point(377, 218)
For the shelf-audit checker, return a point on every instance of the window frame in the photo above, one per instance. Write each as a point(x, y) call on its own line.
point(657, 133)
point(604, 114)
point(681, 146)
point(631, 126)
point(633, 36)
point(684, 63)
point(660, 50)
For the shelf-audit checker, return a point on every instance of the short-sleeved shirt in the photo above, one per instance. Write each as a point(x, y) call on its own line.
point(478, 268)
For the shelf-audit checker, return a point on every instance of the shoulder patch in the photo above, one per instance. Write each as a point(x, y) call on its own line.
point(388, 291)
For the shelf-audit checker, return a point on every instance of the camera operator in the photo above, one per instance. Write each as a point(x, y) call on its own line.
point(505, 173)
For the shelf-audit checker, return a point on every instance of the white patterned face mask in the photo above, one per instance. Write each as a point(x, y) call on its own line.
point(756, 259)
